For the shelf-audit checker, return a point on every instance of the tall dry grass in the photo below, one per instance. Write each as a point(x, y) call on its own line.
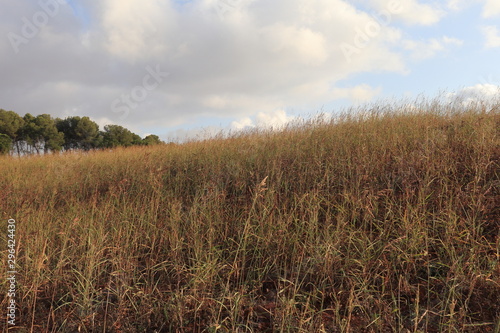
point(380, 221)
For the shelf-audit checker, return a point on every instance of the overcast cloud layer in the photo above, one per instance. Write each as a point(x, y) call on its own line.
point(167, 66)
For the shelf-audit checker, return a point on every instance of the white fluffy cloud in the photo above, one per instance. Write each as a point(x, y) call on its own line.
point(134, 30)
point(359, 94)
point(274, 119)
point(457, 5)
point(480, 92)
point(242, 123)
point(308, 46)
point(260, 56)
point(491, 35)
point(486, 90)
point(230, 63)
point(410, 11)
point(491, 8)
point(427, 49)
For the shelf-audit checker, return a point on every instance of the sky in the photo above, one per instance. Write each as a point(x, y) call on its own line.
point(190, 68)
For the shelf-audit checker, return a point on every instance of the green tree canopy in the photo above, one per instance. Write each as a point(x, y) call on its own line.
point(41, 133)
point(79, 133)
point(151, 140)
point(30, 134)
point(115, 135)
point(5, 144)
point(10, 123)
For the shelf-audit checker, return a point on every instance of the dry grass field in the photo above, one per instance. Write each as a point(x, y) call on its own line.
point(382, 220)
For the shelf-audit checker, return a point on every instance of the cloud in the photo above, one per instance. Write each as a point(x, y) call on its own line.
point(421, 50)
point(411, 11)
point(491, 35)
point(458, 5)
point(483, 93)
point(491, 8)
point(484, 90)
point(135, 30)
point(242, 123)
point(273, 120)
point(455, 4)
point(260, 57)
point(307, 46)
point(359, 94)
point(103, 122)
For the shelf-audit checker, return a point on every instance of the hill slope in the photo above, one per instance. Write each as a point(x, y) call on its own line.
point(382, 222)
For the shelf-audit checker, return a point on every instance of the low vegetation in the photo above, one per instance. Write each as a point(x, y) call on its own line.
point(382, 220)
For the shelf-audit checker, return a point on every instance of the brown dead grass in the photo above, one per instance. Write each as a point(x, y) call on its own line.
point(381, 222)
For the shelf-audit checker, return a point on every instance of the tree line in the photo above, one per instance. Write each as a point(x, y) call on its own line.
point(44, 134)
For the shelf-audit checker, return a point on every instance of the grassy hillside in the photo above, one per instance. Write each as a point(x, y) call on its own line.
point(380, 222)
